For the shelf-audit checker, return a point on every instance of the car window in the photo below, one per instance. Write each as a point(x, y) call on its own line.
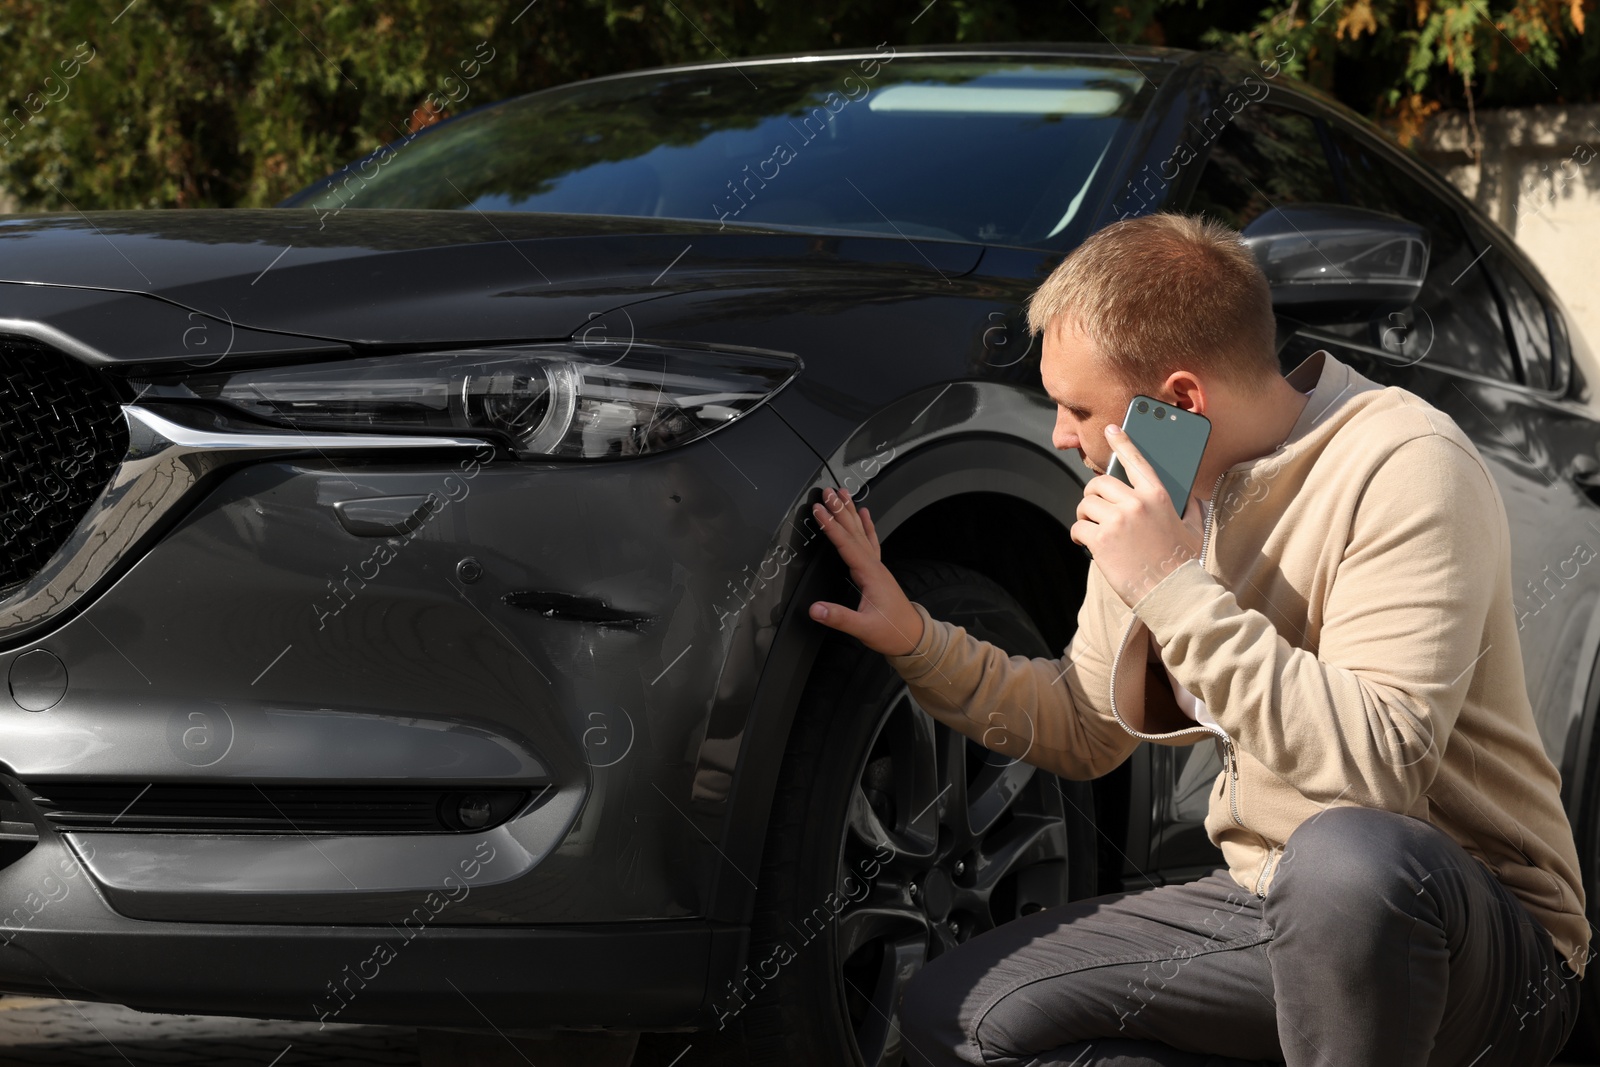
point(1264, 158)
point(1560, 347)
point(1456, 319)
point(972, 149)
point(1527, 317)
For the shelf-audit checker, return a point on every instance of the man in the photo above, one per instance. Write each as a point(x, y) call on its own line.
point(1334, 611)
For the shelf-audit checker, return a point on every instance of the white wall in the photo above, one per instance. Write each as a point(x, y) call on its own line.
point(1539, 179)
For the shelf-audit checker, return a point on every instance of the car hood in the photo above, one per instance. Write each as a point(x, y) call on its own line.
point(390, 277)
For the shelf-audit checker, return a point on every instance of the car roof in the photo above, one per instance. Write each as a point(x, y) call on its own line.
point(1147, 55)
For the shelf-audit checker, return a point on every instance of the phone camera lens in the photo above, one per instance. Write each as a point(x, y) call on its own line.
point(1141, 407)
point(1161, 413)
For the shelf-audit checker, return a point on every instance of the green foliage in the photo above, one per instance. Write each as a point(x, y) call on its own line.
point(240, 102)
point(1400, 60)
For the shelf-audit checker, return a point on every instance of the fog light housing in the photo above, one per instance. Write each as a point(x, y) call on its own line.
point(465, 812)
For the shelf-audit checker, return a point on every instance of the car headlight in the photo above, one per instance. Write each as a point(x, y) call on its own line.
point(585, 401)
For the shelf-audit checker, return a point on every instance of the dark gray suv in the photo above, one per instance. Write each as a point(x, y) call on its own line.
point(404, 593)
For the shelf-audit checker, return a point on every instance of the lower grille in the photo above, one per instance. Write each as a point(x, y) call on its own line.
point(247, 808)
point(62, 435)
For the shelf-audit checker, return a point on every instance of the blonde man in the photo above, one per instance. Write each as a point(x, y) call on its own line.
point(1334, 610)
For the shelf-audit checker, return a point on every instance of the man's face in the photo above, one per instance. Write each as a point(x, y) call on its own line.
point(1088, 395)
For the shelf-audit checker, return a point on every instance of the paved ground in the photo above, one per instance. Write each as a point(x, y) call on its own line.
point(73, 1033)
point(81, 1034)
point(77, 1034)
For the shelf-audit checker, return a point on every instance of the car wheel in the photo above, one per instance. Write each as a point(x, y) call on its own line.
point(894, 838)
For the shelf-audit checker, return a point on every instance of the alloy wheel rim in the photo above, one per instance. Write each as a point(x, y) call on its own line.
point(944, 839)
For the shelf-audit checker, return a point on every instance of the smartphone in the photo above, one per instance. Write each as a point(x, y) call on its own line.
point(1171, 439)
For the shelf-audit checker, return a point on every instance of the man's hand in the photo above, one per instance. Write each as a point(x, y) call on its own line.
point(885, 622)
point(1133, 532)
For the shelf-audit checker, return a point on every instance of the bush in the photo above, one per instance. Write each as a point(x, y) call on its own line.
point(172, 103)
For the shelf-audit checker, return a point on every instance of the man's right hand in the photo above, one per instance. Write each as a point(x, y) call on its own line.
point(885, 622)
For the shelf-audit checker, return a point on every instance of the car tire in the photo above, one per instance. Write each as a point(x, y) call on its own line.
point(893, 838)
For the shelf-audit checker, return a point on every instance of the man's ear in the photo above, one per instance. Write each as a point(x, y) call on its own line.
point(1190, 394)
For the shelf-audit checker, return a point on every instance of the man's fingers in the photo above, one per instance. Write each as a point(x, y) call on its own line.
point(836, 525)
point(841, 507)
point(842, 510)
point(1138, 468)
point(870, 530)
point(1107, 487)
point(836, 616)
point(1097, 509)
point(852, 545)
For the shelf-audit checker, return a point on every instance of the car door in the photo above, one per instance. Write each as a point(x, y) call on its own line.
point(1556, 578)
point(1486, 344)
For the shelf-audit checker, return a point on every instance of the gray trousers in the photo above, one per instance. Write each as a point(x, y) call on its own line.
point(1380, 942)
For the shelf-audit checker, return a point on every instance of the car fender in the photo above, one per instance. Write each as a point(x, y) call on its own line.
point(937, 443)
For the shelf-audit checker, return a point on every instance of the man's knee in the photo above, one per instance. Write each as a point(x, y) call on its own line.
point(1349, 852)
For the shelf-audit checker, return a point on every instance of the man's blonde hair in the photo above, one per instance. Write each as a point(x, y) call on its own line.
point(1165, 292)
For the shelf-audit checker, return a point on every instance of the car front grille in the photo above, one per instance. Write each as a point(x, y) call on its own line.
point(276, 809)
point(62, 435)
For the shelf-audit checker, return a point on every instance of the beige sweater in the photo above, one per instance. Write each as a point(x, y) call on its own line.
point(1349, 625)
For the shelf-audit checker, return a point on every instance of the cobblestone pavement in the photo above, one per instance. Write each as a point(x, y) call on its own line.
point(60, 1032)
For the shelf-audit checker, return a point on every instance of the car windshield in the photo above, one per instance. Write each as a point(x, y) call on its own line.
point(994, 150)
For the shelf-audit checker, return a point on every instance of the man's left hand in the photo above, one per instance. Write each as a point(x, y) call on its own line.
point(1133, 531)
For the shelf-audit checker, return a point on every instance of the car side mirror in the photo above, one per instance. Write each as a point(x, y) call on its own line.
point(1331, 263)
